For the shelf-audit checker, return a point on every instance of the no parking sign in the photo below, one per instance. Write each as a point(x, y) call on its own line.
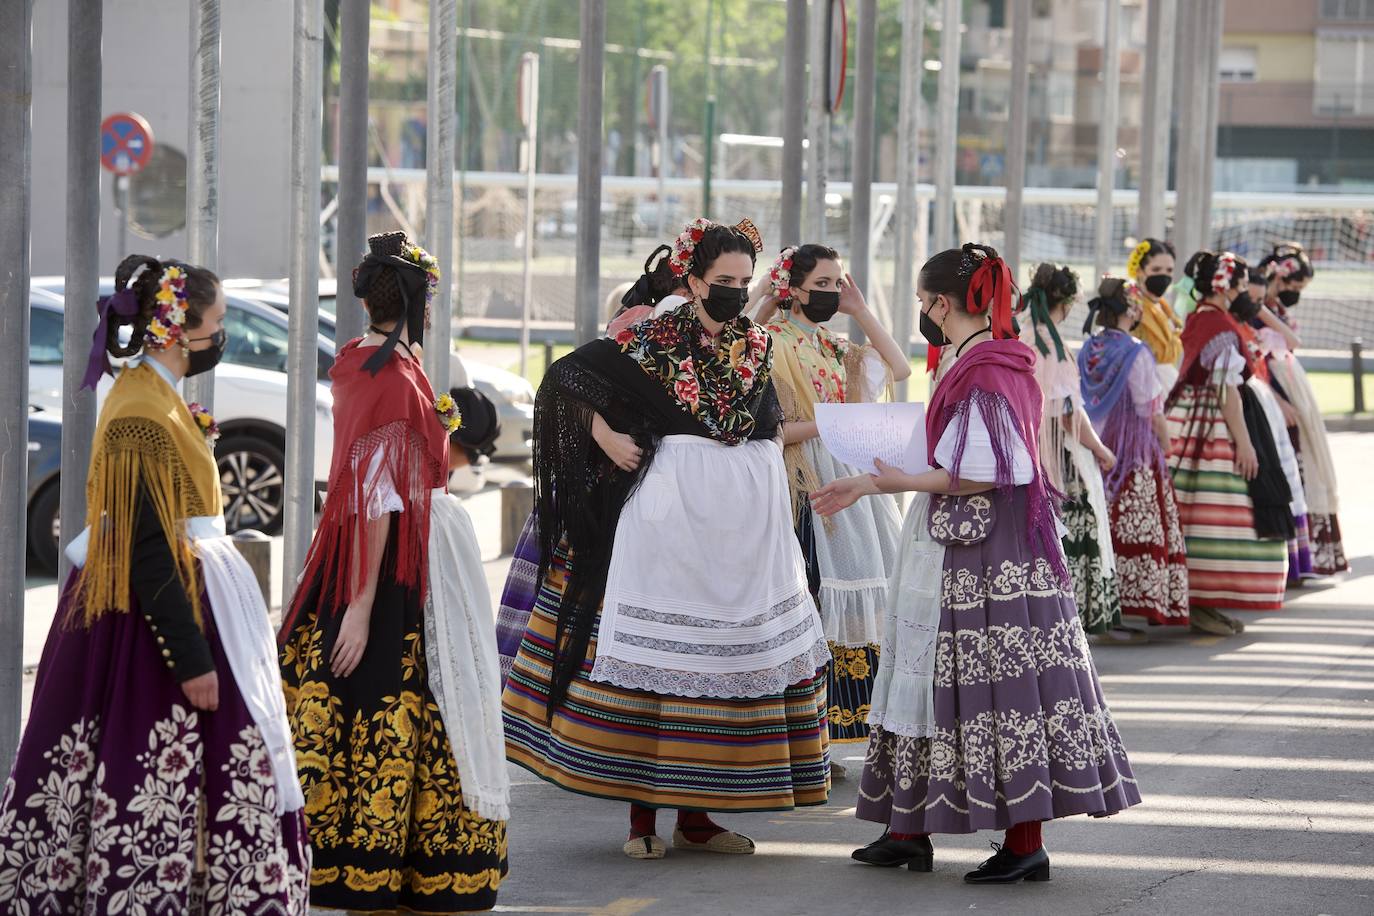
point(126, 143)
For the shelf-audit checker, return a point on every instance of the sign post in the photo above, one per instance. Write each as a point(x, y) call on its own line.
point(126, 146)
point(528, 99)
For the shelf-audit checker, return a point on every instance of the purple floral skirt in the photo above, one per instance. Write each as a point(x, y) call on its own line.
point(1021, 730)
point(126, 799)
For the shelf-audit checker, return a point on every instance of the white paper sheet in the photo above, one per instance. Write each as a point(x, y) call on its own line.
point(856, 434)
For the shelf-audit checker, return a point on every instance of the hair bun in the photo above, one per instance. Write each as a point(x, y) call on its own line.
point(386, 244)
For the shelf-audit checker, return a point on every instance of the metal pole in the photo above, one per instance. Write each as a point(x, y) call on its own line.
point(591, 72)
point(85, 23)
point(16, 105)
point(529, 73)
point(1211, 38)
point(908, 153)
point(662, 103)
point(302, 326)
point(1190, 132)
point(708, 132)
point(947, 126)
point(1357, 373)
point(1017, 118)
point(1106, 134)
point(793, 121)
point(818, 125)
point(861, 207)
point(443, 72)
point(1156, 121)
point(202, 163)
point(350, 242)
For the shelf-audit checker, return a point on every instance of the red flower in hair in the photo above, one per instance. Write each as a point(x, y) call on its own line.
point(787, 264)
point(697, 234)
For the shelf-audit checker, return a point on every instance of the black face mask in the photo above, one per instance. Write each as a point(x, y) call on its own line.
point(931, 331)
point(822, 305)
point(207, 359)
point(724, 303)
point(1289, 297)
point(1243, 307)
point(1158, 284)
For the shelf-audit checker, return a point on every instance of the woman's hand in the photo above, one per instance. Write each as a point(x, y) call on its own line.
point(842, 493)
point(1105, 459)
point(619, 447)
point(203, 691)
point(890, 479)
point(851, 300)
point(1247, 462)
point(352, 639)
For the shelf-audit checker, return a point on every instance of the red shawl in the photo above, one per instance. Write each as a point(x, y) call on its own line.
point(393, 412)
point(999, 376)
point(1201, 328)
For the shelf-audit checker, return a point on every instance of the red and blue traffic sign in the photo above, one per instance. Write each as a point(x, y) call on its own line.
point(126, 143)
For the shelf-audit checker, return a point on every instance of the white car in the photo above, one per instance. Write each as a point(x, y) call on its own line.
point(250, 404)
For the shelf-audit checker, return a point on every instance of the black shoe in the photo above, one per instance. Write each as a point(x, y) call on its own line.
point(885, 852)
point(1006, 867)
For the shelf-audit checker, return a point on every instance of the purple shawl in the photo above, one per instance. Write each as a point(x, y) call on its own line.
point(999, 376)
point(1104, 368)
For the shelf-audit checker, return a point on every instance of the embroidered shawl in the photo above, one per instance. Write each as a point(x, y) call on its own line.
point(145, 440)
point(1104, 365)
point(1159, 327)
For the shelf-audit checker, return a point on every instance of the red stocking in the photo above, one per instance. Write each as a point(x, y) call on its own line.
point(642, 821)
point(697, 826)
point(1024, 839)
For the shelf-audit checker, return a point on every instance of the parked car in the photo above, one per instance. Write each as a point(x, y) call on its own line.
point(250, 403)
point(512, 394)
point(45, 492)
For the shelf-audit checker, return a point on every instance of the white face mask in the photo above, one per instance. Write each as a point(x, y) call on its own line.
point(467, 479)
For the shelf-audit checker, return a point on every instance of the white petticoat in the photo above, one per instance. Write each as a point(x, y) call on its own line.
point(856, 551)
point(903, 700)
point(706, 593)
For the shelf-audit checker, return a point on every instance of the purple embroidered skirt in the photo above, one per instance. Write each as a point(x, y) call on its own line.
point(1021, 732)
point(517, 598)
point(121, 786)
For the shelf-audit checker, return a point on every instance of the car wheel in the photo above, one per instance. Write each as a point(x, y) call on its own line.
point(44, 515)
point(252, 475)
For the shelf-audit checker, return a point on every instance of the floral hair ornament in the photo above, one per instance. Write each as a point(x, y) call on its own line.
point(686, 245)
point(1225, 272)
point(1137, 257)
point(1288, 267)
point(430, 265)
point(205, 422)
point(166, 326)
point(449, 414)
point(780, 277)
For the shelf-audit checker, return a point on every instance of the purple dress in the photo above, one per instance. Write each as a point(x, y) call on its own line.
point(125, 798)
point(1021, 731)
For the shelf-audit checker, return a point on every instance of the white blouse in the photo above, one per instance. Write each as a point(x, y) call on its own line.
point(979, 462)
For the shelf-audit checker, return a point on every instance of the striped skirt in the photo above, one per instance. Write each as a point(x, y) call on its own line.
point(1228, 568)
point(761, 754)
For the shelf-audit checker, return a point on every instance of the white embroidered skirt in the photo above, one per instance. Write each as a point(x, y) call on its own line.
point(706, 593)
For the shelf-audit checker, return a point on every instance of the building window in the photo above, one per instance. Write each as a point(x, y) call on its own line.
point(1238, 65)
point(1344, 74)
point(1347, 10)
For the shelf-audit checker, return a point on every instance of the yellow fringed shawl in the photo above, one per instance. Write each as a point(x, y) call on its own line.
point(797, 384)
point(1160, 328)
point(145, 438)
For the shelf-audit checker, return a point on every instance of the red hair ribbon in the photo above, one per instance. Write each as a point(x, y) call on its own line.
point(990, 289)
point(933, 358)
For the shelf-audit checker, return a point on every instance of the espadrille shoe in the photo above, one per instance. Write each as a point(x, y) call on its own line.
point(646, 847)
point(728, 843)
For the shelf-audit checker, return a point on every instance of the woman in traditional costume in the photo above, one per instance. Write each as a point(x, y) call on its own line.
point(1151, 267)
point(1007, 727)
point(1289, 270)
point(674, 656)
point(403, 793)
point(1123, 399)
point(848, 558)
point(1074, 458)
point(156, 772)
point(1278, 413)
point(1234, 560)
